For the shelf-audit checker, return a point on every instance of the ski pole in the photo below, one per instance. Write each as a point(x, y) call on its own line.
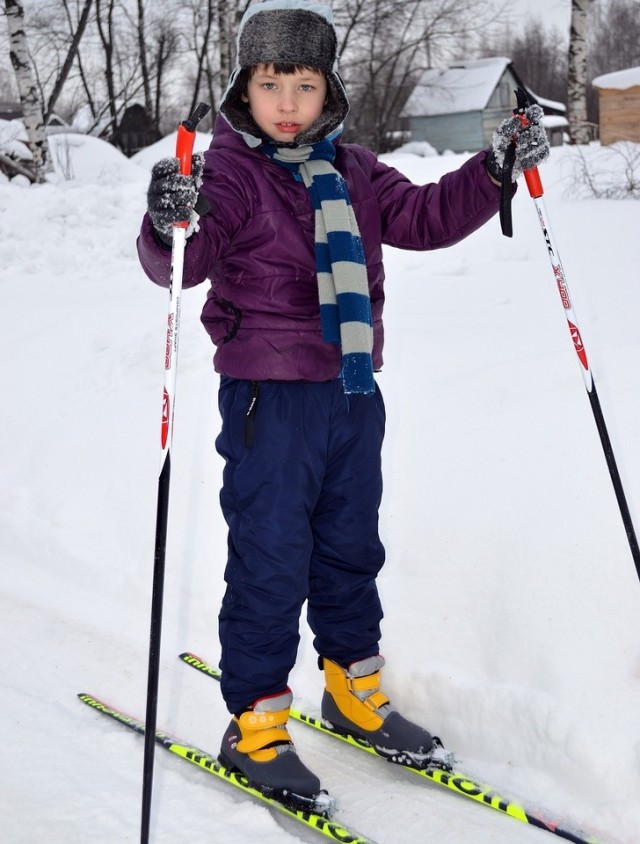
point(536, 191)
point(184, 152)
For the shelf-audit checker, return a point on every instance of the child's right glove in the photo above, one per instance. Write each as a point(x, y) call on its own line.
point(531, 143)
point(173, 198)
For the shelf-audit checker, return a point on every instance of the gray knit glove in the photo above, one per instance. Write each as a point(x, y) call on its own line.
point(532, 145)
point(172, 198)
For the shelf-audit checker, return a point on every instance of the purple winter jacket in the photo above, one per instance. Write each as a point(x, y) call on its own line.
point(257, 248)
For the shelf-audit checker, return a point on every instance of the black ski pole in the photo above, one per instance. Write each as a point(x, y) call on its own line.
point(184, 152)
point(534, 184)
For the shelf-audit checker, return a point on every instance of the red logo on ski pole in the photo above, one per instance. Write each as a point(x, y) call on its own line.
point(578, 344)
point(166, 409)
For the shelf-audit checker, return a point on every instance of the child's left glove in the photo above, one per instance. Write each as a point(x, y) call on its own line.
point(173, 198)
point(531, 143)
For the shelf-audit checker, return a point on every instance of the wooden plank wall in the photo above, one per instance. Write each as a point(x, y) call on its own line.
point(619, 114)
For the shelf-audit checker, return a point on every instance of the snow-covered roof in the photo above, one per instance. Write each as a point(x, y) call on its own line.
point(619, 79)
point(553, 121)
point(548, 104)
point(464, 86)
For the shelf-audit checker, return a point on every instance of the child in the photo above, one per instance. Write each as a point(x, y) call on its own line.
point(290, 235)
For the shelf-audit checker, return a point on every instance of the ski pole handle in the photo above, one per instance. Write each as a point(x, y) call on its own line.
point(534, 183)
point(531, 176)
point(184, 145)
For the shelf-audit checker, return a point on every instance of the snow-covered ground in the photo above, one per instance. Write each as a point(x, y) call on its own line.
point(512, 623)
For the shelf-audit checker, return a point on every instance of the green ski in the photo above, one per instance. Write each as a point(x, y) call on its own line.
point(319, 821)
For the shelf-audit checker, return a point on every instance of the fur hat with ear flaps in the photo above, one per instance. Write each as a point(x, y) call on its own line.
point(294, 32)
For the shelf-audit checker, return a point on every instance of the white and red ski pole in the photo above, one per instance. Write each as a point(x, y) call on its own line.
point(534, 184)
point(184, 152)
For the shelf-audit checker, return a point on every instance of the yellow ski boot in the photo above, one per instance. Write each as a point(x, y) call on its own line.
point(354, 704)
point(257, 744)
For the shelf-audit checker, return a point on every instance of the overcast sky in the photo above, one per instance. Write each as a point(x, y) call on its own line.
point(551, 12)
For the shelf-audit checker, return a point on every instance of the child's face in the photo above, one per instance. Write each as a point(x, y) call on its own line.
point(286, 104)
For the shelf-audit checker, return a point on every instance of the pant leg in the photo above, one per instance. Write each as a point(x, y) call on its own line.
point(270, 488)
point(344, 609)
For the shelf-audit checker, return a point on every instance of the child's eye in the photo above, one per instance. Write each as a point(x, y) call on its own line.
point(269, 86)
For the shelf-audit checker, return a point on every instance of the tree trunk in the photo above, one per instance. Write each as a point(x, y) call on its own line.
point(71, 55)
point(577, 81)
point(29, 97)
point(104, 19)
point(202, 53)
point(144, 67)
point(224, 41)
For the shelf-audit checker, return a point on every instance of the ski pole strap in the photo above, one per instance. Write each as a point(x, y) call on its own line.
point(506, 191)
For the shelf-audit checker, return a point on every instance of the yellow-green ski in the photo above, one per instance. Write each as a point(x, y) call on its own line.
point(328, 827)
point(443, 775)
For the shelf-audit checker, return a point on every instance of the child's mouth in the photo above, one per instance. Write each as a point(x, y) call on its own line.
point(288, 128)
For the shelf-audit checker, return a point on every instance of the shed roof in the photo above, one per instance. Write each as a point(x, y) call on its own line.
point(619, 79)
point(464, 86)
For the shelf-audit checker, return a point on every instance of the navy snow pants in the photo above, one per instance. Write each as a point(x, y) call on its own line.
point(301, 490)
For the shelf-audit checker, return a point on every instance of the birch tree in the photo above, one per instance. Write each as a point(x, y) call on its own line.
point(577, 78)
point(28, 91)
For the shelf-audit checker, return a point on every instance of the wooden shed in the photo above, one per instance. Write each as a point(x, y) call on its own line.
point(619, 99)
point(135, 131)
point(458, 107)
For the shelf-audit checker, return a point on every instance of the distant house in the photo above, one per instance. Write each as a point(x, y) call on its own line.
point(619, 99)
point(457, 108)
point(135, 131)
point(10, 110)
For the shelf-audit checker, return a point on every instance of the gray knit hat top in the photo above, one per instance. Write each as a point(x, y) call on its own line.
point(296, 32)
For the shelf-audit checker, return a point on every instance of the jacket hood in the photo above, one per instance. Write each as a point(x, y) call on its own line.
point(295, 32)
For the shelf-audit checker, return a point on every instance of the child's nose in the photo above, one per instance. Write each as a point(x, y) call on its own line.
point(287, 102)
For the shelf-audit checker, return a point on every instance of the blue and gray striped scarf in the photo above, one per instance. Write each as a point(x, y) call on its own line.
point(345, 305)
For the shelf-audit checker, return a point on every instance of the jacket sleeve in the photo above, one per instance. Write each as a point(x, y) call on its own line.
point(435, 215)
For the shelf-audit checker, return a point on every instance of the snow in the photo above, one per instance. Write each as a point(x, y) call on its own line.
point(512, 622)
point(13, 140)
point(421, 148)
point(621, 79)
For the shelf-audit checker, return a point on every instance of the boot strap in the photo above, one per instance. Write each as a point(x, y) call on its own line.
point(262, 729)
point(252, 720)
point(262, 738)
point(376, 700)
point(370, 683)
